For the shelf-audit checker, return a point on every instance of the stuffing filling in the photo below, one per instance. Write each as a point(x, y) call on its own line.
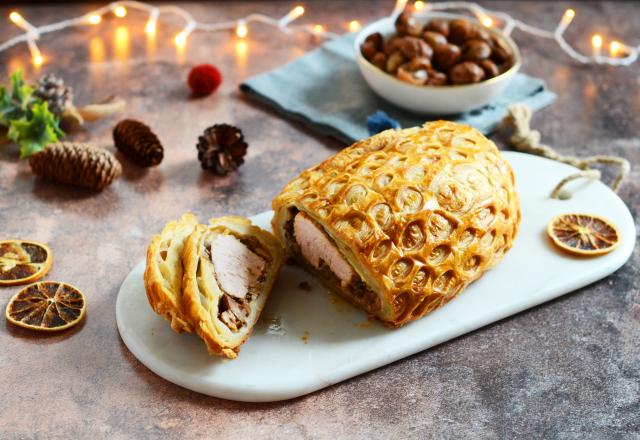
point(317, 251)
point(239, 271)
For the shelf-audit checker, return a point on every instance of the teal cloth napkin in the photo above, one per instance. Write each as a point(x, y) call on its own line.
point(325, 90)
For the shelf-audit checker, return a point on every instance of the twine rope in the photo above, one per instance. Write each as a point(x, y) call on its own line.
point(526, 140)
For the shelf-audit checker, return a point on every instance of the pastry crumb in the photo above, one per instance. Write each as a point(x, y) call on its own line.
point(305, 337)
point(305, 286)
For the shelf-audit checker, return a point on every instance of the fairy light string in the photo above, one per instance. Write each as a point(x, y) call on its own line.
point(619, 54)
point(120, 9)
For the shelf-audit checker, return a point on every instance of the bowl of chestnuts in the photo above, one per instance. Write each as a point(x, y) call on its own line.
point(436, 63)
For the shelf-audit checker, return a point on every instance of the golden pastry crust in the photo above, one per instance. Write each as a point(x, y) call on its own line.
point(202, 294)
point(163, 272)
point(419, 213)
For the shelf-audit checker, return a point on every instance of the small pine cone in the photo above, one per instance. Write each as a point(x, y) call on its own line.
point(221, 149)
point(76, 164)
point(136, 140)
point(52, 90)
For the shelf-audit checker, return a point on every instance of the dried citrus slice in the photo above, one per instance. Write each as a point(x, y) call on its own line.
point(583, 234)
point(47, 305)
point(23, 262)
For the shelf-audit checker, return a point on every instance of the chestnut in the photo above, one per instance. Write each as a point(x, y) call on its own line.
point(500, 52)
point(445, 56)
point(406, 24)
point(440, 53)
point(437, 78)
point(479, 33)
point(416, 77)
point(419, 63)
point(376, 39)
point(394, 61)
point(434, 39)
point(391, 45)
point(439, 26)
point(379, 60)
point(475, 50)
point(466, 73)
point(459, 31)
point(415, 47)
point(368, 50)
point(490, 68)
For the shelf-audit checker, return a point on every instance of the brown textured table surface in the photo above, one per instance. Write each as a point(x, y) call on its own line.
point(567, 369)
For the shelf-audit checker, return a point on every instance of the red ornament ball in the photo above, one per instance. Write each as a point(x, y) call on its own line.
point(204, 79)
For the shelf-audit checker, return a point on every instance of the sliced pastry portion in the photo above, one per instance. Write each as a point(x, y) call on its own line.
point(230, 268)
point(164, 271)
point(402, 222)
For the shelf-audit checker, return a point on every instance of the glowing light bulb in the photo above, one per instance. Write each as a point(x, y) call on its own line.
point(596, 41)
point(487, 21)
point(38, 60)
point(318, 29)
point(150, 27)
point(23, 24)
point(15, 17)
point(241, 29)
point(566, 20)
point(614, 48)
point(298, 11)
point(180, 39)
point(95, 19)
point(418, 6)
point(354, 26)
point(120, 11)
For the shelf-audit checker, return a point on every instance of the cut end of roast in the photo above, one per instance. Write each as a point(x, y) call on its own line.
point(320, 255)
point(239, 272)
point(316, 248)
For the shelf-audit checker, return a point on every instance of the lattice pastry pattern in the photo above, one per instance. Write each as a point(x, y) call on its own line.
point(419, 213)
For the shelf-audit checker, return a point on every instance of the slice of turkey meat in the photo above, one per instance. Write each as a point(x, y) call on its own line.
point(315, 247)
point(237, 268)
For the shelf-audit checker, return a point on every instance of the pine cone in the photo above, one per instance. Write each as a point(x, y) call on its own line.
point(221, 149)
point(136, 140)
point(76, 164)
point(52, 90)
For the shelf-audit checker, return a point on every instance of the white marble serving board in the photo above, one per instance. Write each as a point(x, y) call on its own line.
point(307, 340)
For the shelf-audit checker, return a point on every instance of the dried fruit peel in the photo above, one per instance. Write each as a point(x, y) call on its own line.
point(23, 261)
point(584, 234)
point(47, 306)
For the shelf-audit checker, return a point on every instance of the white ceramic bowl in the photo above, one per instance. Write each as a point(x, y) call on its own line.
point(427, 99)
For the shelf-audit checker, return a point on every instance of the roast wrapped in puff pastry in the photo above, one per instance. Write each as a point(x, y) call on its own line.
point(402, 222)
point(230, 267)
point(164, 270)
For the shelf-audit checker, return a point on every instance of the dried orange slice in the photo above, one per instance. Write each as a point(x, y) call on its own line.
point(583, 234)
point(23, 262)
point(47, 305)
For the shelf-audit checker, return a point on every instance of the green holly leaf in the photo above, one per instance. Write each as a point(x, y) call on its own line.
point(14, 105)
point(35, 130)
point(21, 91)
point(8, 109)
